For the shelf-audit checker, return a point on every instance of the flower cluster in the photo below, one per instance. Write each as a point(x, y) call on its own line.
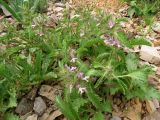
point(109, 40)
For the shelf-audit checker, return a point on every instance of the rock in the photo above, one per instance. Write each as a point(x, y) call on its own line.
point(154, 116)
point(156, 27)
point(59, 5)
point(24, 117)
point(156, 103)
point(39, 106)
point(158, 71)
point(50, 92)
point(150, 106)
point(54, 115)
point(32, 117)
point(149, 54)
point(115, 118)
point(132, 114)
point(32, 94)
point(58, 9)
point(44, 116)
point(24, 106)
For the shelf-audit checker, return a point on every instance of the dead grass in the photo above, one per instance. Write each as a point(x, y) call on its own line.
point(107, 5)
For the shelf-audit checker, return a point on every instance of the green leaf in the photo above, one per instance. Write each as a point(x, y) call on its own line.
point(98, 116)
point(139, 77)
point(79, 102)
point(131, 62)
point(49, 76)
point(12, 99)
point(10, 10)
point(131, 11)
point(67, 109)
point(123, 39)
point(94, 98)
point(11, 116)
point(139, 41)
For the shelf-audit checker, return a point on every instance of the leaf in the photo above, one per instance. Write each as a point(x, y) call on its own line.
point(12, 99)
point(10, 10)
point(94, 72)
point(107, 106)
point(123, 39)
point(139, 77)
point(49, 76)
point(67, 109)
point(131, 11)
point(131, 62)
point(11, 116)
point(79, 102)
point(98, 116)
point(94, 98)
point(139, 41)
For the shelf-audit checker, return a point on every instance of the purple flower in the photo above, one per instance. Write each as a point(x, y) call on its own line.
point(111, 24)
point(109, 40)
point(70, 69)
point(80, 75)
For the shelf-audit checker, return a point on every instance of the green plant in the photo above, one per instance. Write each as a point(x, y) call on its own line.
point(90, 68)
point(145, 8)
point(22, 8)
point(97, 69)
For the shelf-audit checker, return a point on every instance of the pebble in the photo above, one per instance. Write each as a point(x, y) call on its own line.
point(115, 118)
point(150, 106)
point(156, 27)
point(32, 117)
point(57, 9)
point(50, 92)
point(39, 106)
point(24, 106)
point(59, 5)
point(149, 54)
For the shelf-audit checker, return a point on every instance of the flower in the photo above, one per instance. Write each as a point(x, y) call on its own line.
point(73, 60)
point(111, 24)
point(82, 90)
point(86, 78)
point(71, 69)
point(109, 40)
point(80, 75)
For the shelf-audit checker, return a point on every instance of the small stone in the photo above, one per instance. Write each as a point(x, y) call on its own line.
point(58, 9)
point(150, 106)
point(32, 117)
point(153, 116)
point(32, 94)
point(24, 117)
point(156, 27)
point(50, 92)
point(156, 103)
point(158, 71)
point(39, 106)
point(59, 5)
point(44, 116)
point(54, 115)
point(149, 54)
point(115, 118)
point(24, 106)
